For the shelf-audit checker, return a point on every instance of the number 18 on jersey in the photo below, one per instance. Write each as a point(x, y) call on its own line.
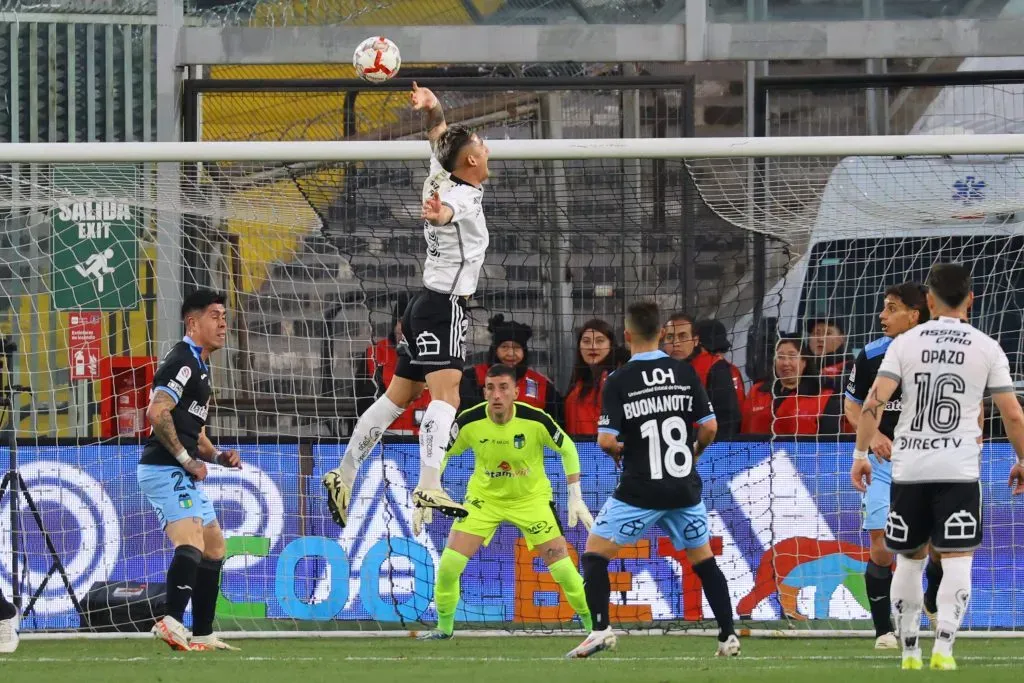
point(653, 405)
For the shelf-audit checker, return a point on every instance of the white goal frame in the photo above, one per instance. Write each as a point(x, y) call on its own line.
point(623, 148)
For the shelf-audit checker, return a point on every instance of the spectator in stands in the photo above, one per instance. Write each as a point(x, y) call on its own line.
point(683, 340)
point(596, 357)
point(827, 341)
point(380, 362)
point(510, 346)
point(793, 400)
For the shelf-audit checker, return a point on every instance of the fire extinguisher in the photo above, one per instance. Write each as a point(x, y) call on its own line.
point(130, 408)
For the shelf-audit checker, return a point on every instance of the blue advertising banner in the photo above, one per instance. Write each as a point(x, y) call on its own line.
point(784, 519)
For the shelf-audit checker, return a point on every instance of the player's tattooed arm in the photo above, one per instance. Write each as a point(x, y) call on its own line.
point(423, 99)
point(871, 412)
point(873, 407)
point(159, 414)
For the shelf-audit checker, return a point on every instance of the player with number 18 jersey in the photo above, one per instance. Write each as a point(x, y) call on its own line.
point(652, 405)
point(655, 420)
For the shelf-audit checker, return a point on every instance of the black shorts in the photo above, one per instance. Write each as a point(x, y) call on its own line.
point(947, 514)
point(434, 335)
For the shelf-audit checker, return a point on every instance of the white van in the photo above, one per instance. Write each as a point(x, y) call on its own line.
point(882, 221)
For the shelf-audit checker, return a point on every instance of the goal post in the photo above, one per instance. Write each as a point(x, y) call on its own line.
point(315, 277)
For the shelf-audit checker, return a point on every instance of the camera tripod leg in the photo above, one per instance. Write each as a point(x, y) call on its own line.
point(57, 566)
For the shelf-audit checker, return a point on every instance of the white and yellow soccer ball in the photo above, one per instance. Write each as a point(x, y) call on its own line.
point(377, 59)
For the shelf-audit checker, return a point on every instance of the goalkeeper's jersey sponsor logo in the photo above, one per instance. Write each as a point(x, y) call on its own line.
point(506, 471)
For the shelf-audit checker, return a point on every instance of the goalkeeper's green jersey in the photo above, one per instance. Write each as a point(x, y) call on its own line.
point(510, 457)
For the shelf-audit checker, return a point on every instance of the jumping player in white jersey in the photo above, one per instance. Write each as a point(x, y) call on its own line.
point(434, 326)
point(944, 367)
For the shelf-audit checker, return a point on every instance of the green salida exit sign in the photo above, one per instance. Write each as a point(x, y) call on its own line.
point(95, 238)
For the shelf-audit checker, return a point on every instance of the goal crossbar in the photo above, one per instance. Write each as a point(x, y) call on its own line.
point(625, 148)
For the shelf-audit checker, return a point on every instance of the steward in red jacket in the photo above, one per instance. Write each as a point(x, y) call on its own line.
point(510, 346)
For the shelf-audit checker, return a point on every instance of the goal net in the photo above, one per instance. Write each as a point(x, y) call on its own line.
point(317, 256)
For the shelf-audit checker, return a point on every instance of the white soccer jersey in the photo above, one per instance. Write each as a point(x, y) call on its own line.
point(944, 367)
point(455, 252)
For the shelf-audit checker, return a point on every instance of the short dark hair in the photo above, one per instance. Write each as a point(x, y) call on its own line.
point(451, 142)
point(913, 295)
point(199, 300)
point(950, 283)
point(680, 317)
point(502, 370)
point(644, 320)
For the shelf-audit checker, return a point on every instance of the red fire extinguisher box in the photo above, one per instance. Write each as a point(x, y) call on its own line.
point(125, 382)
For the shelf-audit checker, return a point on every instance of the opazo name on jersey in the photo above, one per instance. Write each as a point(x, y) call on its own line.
point(183, 376)
point(943, 383)
point(653, 404)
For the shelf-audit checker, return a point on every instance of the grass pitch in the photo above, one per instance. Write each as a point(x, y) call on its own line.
point(639, 659)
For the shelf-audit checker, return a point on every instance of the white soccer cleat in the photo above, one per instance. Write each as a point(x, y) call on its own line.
point(595, 642)
point(9, 635)
point(338, 496)
point(172, 632)
point(730, 647)
point(438, 499)
point(887, 641)
point(210, 643)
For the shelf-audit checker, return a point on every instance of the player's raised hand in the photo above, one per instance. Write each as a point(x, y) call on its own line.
point(881, 446)
point(1017, 479)
point(196, 469)
point(434, 212)
point(860, 474)
point(230, 458)
point(422, 98)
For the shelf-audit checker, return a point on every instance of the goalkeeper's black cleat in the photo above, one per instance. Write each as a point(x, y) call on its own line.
point(338, 496)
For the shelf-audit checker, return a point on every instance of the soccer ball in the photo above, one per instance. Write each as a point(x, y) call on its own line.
point(377, 59)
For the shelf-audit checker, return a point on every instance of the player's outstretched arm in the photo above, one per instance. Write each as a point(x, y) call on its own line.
point(1013, 419)
point(867, 429)
point(423, 99)
point(159, 415)
point(559, 441)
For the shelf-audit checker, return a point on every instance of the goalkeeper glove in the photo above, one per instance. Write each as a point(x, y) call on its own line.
point(578, 511)
point(420, 518)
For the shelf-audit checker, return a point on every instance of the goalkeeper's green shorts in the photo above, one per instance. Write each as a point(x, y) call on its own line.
point(536, 518)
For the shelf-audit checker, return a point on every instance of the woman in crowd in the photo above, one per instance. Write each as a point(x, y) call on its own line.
point(596, 357)
point(792, 401)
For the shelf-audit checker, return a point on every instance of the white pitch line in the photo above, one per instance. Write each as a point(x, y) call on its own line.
point(985, 661)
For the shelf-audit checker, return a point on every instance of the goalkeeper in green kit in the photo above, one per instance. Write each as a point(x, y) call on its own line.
point(509, 484)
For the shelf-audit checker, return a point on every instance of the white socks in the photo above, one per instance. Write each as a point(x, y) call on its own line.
point(435, 433)
point(908, 598)
point(954, 595)
point(369, 428)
